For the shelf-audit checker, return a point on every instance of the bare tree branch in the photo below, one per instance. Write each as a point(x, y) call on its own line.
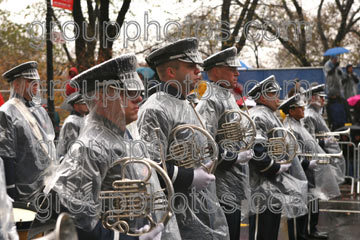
point(320, 29)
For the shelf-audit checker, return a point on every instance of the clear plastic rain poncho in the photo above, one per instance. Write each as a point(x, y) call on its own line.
point(325, 183)
point(69, 132)
point(7, 224)
point(315, 123)
point(87, 168)
point(288, 188)
point(26, 141)
point(201, 216)
point(235, 180)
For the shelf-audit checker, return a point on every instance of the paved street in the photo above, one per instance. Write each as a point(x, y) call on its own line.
point(340, 217)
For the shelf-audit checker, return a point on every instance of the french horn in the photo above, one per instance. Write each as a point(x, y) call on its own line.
point(191, 153)
point(236, 132)
point(282, 145)
point(132, 199)
point(322, 158)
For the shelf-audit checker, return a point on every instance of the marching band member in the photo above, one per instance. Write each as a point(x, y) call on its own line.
point(315, 124)
point(86, 169)
point(322, 183)
point(177, 66)
point(71, 128)
point(231, 177)
point(270, 181)
point(26, 144)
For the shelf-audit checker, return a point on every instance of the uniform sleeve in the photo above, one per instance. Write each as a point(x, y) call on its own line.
point(7, 136)
point(148, 121)
point(305, 164)
point(7, 152)
point(68, 134)
point(261, 161)
point(309, 125)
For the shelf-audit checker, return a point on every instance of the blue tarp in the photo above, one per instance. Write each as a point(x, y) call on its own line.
point(284, 75)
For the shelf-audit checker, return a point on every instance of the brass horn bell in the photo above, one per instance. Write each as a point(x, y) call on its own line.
point(236, 132)
point(132, 200)
point(282, 145)
point(187, 150)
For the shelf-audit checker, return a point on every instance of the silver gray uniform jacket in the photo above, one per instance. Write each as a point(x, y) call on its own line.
point(86, 170)
point(288, 188)
point(326, 186)
point(315, 123)
point(231, 179)
point(201, 216)
point(26, 143)
point(69, 132)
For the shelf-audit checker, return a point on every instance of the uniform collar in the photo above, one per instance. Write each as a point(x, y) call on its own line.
point(315, 108)
point(73, 112)
point(261, 104)
point(26, 102)
point(110, 125)
point(171, 90)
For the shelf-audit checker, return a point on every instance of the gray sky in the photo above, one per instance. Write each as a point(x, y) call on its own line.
point(161, 11)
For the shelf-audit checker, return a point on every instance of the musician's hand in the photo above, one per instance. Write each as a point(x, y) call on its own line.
point(201, 179)
point(153, 234)
point(329, 141)
point(12, 234)
point(313, 164)
point(284, 168)
point(244, 157)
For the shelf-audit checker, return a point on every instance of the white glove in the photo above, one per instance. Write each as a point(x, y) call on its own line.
point(201, 179)
point(244, 157)
point(329, 141)
point(313, 164)
point(284, 168)
point(12, 234)
point(154, 234)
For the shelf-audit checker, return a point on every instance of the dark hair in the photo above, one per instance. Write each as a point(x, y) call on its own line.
point(291, 92)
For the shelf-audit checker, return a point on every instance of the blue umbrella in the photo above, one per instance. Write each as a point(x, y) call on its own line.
point(335, 51)
point(243, 65)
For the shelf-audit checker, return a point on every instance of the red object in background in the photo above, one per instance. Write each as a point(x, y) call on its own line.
point(65, 4)
point(73, 72)
point(1, 100)
point(70, 89)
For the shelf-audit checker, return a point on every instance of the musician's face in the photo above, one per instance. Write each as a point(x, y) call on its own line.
point(322, 101)
point(27, 88)
point(229, 74)
point(188, 71)
point(270, 99)
point(319, 100)
point(297, 113)
point(131, 102)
